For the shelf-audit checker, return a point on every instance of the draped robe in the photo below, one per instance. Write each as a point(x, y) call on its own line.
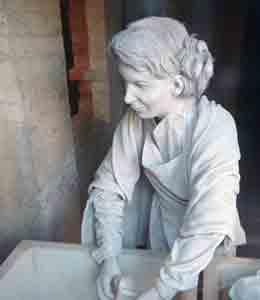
point(193, 178)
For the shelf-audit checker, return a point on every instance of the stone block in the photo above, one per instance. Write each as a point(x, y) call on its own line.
point(51, 148)
point(37, 188)
point(27, 23)
point(28, 46)
point(44, 89)
point(44, 72)
point(26, 185)
point(11, 145)
point(59, 212)
point(40, 162)
point(4, 48)
point(8, 177)
point(63, 271)
point(4, 133)
point(15, 112)
point(33, 6)
point(53, 271)
point(3, 20)
point(9, 89)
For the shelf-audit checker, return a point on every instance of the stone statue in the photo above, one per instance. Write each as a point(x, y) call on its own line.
point(171, 177)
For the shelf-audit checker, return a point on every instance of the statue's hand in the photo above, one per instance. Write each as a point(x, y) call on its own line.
point(151, 294)
point(109, 270)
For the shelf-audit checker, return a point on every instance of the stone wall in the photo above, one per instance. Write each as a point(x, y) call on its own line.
point(39, 195)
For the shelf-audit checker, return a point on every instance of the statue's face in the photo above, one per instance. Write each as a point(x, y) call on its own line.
point(148, 96)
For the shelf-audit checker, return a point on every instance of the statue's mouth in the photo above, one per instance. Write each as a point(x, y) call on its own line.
point(138, 108)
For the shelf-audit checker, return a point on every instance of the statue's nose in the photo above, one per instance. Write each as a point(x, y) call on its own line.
point(129, 98)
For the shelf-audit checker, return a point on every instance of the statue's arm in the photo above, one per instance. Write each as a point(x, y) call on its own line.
point(109, 193)
point(108, 213)
point(188, 257)
point(211, 213)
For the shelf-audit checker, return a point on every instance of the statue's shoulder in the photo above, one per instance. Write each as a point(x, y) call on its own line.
point(213, 121)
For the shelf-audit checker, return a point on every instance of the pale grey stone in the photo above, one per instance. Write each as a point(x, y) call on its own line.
point(62, 271)
point(4, 134)
point(3, 20)
point(44, 90)
point(39, 193)
point(14, 111)
point(25, 23)
point(34, 6)
point(26, 186)
point(4, 49)
point(9, 89)
point(28, 46)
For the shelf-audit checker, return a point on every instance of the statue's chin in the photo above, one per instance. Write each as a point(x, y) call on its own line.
point(143, 114)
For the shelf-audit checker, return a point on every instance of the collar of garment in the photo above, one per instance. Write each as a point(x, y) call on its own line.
point(177, 121)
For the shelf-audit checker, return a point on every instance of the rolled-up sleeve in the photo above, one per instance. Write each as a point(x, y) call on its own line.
point(211, 215)
point(188, 257)
point(109, 212)
point(113, 186)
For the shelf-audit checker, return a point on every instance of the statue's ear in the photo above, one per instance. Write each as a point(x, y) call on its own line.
point(178, 85)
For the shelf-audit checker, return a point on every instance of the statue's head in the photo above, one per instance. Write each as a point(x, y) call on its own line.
point(163, 47)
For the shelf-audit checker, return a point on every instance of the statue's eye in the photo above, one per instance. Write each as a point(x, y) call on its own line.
point(140, 84)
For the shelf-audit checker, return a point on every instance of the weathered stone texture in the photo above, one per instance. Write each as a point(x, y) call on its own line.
point(39, 194)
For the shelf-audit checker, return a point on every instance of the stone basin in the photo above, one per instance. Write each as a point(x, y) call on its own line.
point(57, 271)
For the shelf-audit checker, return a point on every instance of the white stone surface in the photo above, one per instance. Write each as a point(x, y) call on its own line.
point(55, 271)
